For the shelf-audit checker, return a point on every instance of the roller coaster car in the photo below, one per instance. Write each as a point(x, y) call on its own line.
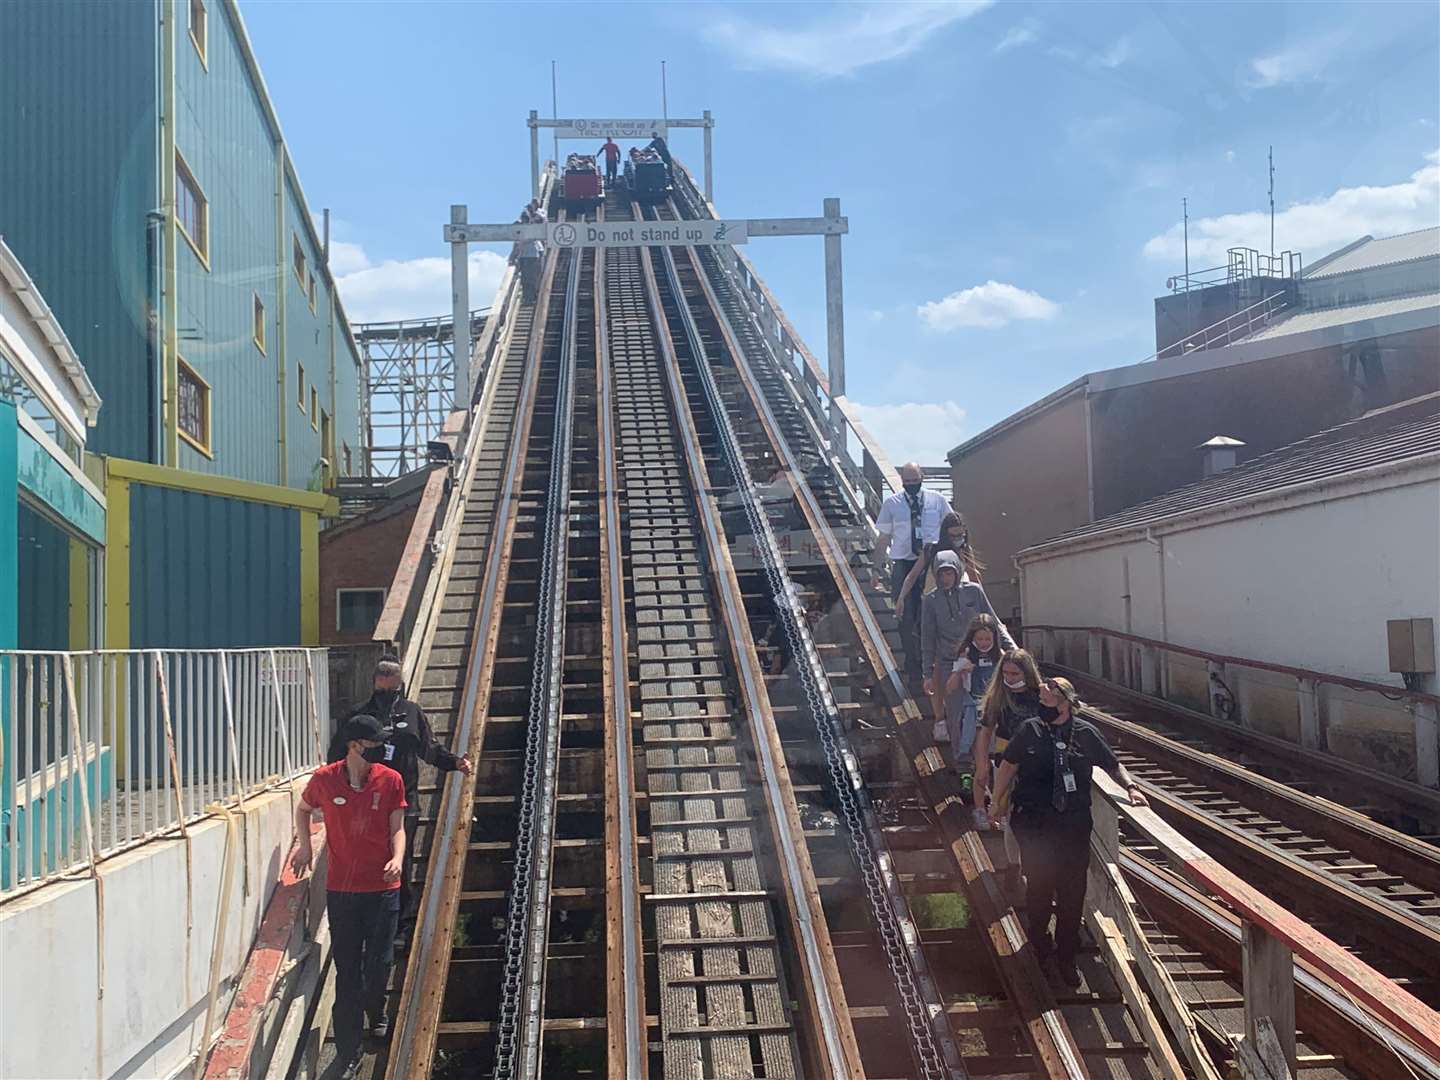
point(646, 176)
point(582, 186)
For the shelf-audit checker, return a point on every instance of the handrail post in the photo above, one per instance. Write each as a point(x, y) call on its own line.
point(1311, 729)
point(1268, 971)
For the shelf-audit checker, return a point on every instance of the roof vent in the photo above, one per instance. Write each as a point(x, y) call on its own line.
point(1219, 454)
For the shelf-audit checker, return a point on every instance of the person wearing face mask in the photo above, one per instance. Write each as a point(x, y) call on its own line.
point(1049, 761)
point(945, 617)
point(970, 677)
point(954, 536)
point(1012, 697)
point(407, 741)
point(363, 803)
point(907, 521)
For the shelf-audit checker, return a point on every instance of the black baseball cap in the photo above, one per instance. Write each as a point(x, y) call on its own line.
point(364, 727)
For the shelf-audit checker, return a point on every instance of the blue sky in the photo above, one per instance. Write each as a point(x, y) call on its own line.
point(1012, 172)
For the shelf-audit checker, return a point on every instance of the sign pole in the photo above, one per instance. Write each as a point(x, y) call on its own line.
point(709, 175)
point(460, 308)
point(534, 155)
point(834, 315)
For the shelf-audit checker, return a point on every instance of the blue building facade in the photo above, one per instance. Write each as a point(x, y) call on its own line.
point(146, 187)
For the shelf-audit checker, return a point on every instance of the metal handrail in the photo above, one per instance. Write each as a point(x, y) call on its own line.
point(1253, 320)
point(108, 749)
point(1393, 692)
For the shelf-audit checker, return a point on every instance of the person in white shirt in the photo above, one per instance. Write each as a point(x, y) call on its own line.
point(908, 520)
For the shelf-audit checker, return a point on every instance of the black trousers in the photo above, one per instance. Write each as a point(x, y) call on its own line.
point(362, 940)
point(1055, 855)
point(910, 620)
point(610, 167)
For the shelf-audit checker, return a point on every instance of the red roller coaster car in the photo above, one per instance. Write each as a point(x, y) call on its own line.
point(582, 186)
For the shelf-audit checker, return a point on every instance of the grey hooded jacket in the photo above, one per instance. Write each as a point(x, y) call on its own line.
point(945, 615)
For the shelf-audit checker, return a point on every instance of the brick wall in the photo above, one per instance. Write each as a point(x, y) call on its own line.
point(362, 553)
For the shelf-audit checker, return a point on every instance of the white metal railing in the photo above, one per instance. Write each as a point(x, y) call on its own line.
point(872, 475)
point(100, 751)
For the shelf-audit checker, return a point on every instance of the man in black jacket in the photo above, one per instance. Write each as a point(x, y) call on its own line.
point(408, 741)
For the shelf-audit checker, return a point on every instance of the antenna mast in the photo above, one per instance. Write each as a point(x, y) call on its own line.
point(1272, 209)
point(664, 99)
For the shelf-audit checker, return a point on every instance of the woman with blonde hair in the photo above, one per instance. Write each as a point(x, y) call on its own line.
point(1012, 698)
point(1049, 761)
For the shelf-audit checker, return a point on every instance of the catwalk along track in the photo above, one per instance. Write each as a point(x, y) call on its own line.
point(709, 834)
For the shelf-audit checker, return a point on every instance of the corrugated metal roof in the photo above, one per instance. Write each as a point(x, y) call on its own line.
point(1370, 252)
point(1300, 322)
point(1382, 437)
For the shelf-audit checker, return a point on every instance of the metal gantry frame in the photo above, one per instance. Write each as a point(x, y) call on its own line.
point(615, 129)
point(409, 388)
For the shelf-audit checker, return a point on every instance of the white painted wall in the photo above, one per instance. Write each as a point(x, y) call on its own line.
point(1310, 586)
point(125, 995)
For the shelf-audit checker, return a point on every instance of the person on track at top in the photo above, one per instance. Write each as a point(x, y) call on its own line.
point(612, 159)
point(657, 143)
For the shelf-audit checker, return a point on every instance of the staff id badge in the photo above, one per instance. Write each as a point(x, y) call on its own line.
point(1068, 779)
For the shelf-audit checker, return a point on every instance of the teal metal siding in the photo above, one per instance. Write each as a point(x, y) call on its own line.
point(222, 133)
point(78, 144)
point(348, 388)
point(211, 572)
point(307, 344)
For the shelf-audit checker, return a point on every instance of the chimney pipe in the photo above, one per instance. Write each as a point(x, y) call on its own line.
point(1219, 454)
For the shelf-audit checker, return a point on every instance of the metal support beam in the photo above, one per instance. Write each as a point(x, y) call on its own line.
point(534, 154)
point(834, 312)
point(460, 306)
point(709, 174)
point(1269, 986)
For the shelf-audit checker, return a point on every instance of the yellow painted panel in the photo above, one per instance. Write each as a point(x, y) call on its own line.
point(309, 579)
point(248, 490)
point(79, 596)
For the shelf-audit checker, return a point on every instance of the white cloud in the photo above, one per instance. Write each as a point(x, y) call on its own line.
point(1116, 55)
point(993, 304)
point(1229, 156)
point(1301, 62)
point(1026, 33)
point(1317, 227)
point(856, 36)
point(923, 431)
point(407, 288)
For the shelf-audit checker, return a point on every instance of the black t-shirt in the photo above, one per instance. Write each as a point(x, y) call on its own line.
point(1026, 704)
point(1034, 749)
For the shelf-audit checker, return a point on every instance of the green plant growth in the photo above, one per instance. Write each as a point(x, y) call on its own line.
point(940, 911)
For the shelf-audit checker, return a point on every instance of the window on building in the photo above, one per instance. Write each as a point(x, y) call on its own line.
point(191, 209)
point(192, 401)
point(358, 610)
point(200, 28)
point(312, 292)
point(15, 386)
point(299, 256)
point(300, 386)
point(314, 408)
point(259, 328)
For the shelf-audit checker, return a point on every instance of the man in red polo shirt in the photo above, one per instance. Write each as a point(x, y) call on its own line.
point(364, 807)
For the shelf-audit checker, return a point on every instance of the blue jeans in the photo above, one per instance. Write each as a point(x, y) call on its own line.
point(960, 714)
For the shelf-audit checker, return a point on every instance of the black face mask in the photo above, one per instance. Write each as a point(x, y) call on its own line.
point(913, 489)
point(1049, 713)
point(375, 755)
point(386, 699)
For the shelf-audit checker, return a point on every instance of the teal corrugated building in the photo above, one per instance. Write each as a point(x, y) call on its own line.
point(147, 188)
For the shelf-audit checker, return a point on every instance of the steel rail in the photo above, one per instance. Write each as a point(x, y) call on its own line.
point(836, 1037)
point(1055, 1045)
point(627, 978)
point(932, 1042)
point(522, 988)
point(413, 1041)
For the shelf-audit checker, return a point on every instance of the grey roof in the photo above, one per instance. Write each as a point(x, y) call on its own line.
point(1385, 436)
point(1368, 252)
point(1299, 322)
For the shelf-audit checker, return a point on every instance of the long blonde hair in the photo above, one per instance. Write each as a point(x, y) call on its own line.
point(998, 696)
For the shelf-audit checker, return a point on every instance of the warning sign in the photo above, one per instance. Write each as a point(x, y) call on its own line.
point(605, 234)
